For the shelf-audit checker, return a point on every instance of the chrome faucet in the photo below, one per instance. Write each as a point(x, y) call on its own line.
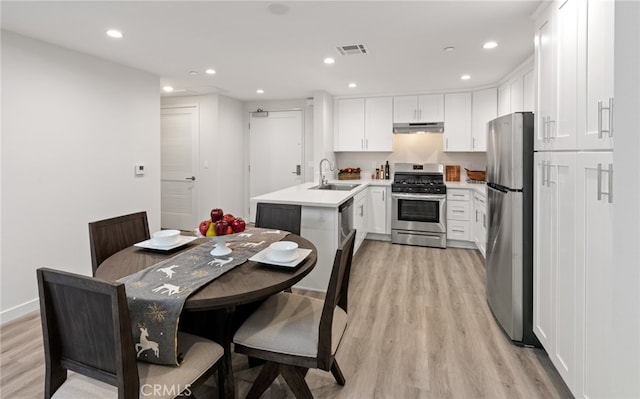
point(323, 178)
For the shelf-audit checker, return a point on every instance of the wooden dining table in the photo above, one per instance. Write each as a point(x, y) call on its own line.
point(211, 311)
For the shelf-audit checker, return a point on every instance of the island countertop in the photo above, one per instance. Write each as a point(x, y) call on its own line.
point(303, 195)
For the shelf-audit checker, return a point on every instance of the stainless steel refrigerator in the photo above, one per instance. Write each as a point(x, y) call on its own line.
point(509, 253)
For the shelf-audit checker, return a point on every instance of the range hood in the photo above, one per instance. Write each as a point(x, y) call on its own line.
point(426, 127)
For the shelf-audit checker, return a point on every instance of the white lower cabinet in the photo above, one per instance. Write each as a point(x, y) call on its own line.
point(360, 218)
point(573, 283)
point(458, 209)
point(479, 222)
point(377, 218)
point(555, 273)
point(600, 370)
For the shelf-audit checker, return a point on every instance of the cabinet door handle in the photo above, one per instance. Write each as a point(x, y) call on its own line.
point(599, 129)
point(362, 143)
point(609, 131)
point(484, 220)
point(366, 144)
point(447, 144)
point(609, 193)
point(611, 120)
point(473, 143)
point(545, 126)
point(383, 195)
point(415, 114)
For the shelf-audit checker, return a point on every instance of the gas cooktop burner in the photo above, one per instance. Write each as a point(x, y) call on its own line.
point(418, 182)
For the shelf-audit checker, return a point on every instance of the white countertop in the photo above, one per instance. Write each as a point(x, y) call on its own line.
point(302, 195)
point(478, 187)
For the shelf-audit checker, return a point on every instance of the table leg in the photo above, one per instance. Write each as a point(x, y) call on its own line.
point(224, 324)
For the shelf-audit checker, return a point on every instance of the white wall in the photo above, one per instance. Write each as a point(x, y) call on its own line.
point(625, 305)
point(412, 148)
point(73, 126)
point(220, 176)
point(322, 133)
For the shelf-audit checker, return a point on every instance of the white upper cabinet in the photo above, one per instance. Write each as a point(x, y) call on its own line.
point(504, 99)
point(363, 124)
point(484, 109)
point(529, 93)
point(412, 109)
point(545, 67)
point(599, 91)
point(563, 129)
point(457, 122)
point(378, 130)
point(350, 124)
point(574, 64)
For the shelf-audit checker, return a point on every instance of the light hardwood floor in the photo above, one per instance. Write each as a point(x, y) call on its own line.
point(419, 327)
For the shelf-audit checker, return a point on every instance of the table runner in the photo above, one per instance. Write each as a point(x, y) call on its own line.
point(156, 295)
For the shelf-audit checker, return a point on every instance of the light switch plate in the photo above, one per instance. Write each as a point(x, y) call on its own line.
point(139, 169)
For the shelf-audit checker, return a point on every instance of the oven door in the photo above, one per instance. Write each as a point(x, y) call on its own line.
point(419, 212)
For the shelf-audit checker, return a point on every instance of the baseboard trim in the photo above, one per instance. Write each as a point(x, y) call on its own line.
point(20, 310)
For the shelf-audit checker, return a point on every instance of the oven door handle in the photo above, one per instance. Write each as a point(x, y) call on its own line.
point(419, 196)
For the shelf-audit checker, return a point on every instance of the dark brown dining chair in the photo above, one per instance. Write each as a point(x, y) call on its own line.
point(106, 237)
point(86, 329)
point(279, 216)
point(294, 333)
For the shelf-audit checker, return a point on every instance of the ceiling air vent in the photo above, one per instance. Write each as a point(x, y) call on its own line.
point(352, 49)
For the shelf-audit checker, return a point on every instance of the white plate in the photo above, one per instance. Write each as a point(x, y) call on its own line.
point(149, 244)
point(263, 257)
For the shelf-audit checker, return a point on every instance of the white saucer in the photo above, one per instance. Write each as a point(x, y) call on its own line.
point(149, 244)
point(263, 257)
point(294, 256)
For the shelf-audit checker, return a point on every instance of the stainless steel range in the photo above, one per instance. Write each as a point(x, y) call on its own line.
point(419, 205)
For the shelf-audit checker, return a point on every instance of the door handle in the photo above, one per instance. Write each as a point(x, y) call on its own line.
point(192, 178)
point(298, 170)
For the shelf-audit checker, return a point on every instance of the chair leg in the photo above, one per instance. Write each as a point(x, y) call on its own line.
point(294, 376)
point(268, 373)
point(254, 362)
point(337, 373)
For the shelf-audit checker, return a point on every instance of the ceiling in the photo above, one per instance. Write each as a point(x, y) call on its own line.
point(280, 46)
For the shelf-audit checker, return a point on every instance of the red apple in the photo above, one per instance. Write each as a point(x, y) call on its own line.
point(204, 226)
point(229, 218)
point(221, 227)
point(216, 214)
point(238, 225)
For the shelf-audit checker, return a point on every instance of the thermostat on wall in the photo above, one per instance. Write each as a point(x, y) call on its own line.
point(139, 169)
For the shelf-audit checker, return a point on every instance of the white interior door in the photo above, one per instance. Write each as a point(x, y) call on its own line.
point(275, 151)
point(179, 160)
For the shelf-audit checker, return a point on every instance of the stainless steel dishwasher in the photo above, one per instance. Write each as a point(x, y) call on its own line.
point(345, 219)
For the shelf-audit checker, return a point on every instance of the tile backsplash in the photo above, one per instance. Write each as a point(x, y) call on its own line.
point(412, 148)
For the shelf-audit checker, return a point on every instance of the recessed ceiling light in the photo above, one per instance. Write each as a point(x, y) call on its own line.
point(490, 45)
point(329, 60)
point(210, 71)
point(449, 48)
point(193, 73)
point(116, 34)
point(260, 91)
point(352, 85)
point(277, 9)
point(465, 77)
point(168, 89)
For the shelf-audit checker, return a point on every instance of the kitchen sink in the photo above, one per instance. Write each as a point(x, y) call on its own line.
point(335, 187)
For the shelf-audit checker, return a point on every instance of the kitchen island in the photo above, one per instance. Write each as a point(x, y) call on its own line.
point(319, 220)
